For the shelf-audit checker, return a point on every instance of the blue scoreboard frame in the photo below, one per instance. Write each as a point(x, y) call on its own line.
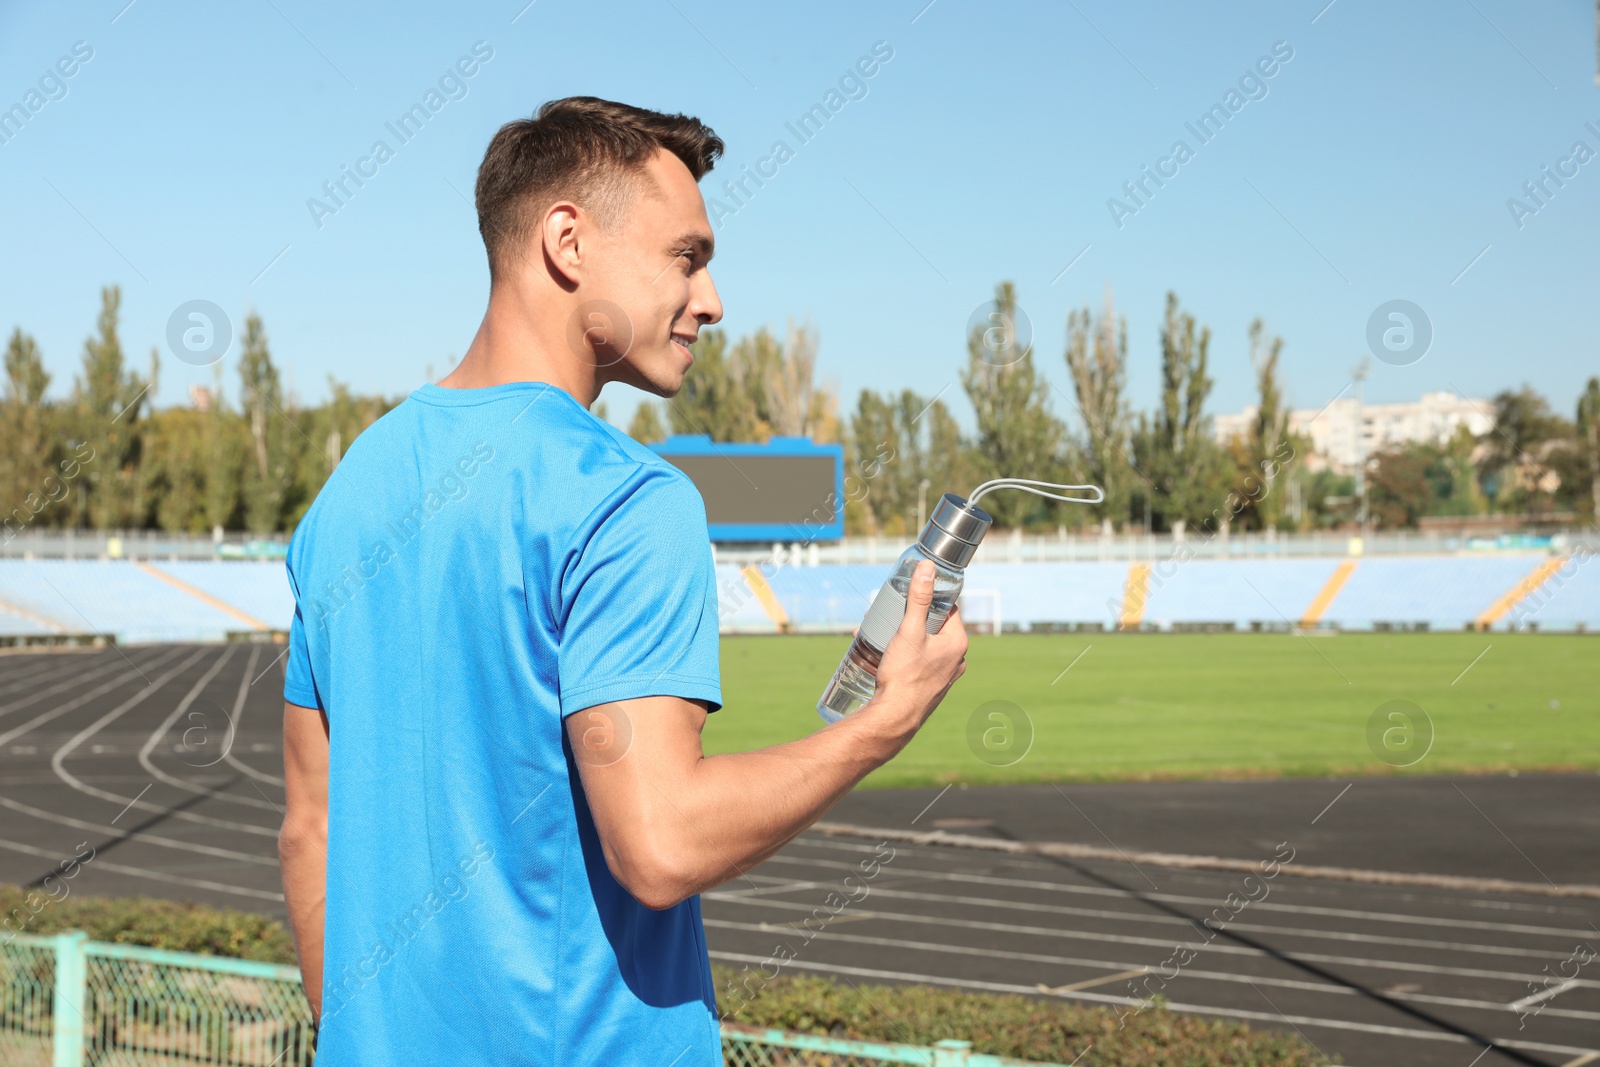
point(802, 503)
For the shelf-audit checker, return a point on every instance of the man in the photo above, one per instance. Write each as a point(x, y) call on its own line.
point(505, 646)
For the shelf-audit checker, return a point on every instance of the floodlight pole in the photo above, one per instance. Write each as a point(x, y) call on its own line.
point(1360, 376)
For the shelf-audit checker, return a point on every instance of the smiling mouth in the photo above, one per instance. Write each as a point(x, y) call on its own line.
point(681, 343)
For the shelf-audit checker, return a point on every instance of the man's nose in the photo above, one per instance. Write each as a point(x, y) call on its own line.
point(704, 303)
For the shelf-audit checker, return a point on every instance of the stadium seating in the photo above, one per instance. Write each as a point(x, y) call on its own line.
point(110, 597)
point(1267, 593)
point(207, 600)
point(1445, 593)
point(259, 590)
point(1568, 600)
point(14, 625)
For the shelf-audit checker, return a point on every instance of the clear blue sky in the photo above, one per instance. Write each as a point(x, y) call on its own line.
point(1377, 166)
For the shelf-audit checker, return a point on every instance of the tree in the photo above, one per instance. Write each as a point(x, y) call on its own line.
point(1514, 463)
point(1398, 488)
point(1589, 441)
point(109, 402)
point(1269, 432)
point(894, 445)
point(1173, 446)
point(1099, 380)
point(224, 448)
point(273, 436)
point(646, 425)
point(757, 388)
point(1017, 434)
point(714, 399)
point(28, 478)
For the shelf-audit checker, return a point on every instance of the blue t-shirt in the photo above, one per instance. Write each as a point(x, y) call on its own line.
point(483, 563)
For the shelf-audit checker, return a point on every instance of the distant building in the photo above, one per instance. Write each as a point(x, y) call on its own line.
point(200, 397)
point(1343, 432)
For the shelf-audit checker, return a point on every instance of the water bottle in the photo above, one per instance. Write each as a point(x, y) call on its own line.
point(952, 535)
point(950, 539)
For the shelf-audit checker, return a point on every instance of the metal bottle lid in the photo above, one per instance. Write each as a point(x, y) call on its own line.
point(955, 530)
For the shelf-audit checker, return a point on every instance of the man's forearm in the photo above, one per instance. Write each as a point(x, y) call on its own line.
point(303, 855)
point(724, 814)
point(751, 804)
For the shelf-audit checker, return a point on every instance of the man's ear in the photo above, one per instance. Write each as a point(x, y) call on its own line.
point(559, 238)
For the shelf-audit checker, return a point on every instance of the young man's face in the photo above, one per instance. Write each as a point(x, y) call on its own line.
point(650, 287)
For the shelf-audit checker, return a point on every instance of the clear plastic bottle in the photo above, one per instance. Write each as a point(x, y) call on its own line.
point(949, 540)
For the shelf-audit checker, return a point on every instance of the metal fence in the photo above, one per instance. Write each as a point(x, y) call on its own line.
point(66, 1001)
point(1001, 547)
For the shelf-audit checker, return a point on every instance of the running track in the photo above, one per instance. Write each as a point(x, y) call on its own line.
point(129, 750)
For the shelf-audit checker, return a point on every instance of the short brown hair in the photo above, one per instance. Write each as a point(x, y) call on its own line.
point(579, 148)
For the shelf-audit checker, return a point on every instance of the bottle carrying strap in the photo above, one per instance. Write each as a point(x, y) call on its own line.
point(1029, 485)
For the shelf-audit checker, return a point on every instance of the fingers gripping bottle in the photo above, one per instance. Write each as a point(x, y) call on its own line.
point(950, 539)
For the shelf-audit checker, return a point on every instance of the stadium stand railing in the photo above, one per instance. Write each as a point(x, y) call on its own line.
point(59, 600)
point(1001, 546)
point(66, 1001)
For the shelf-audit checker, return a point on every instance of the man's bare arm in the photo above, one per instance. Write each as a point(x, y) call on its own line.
point(674, 822)
point(303, 840)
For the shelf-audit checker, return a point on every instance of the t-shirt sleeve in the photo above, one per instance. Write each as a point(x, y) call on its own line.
point(640, 600)
point(298, 686)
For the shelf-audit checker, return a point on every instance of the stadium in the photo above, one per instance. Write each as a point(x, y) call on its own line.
point(139, 707)
point(334, 664)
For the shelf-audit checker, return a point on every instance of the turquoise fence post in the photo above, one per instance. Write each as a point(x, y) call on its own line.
point(67, 1008)
point(949, 1053)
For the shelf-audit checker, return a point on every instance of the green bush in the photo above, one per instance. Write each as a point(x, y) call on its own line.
point(1004, 1025)
point(1019, 1027)
point(154, 923)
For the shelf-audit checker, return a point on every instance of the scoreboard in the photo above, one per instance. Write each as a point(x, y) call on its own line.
point(789, 489)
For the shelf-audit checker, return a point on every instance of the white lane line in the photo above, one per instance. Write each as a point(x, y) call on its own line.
point(1193, 1009)
point(78, 679)
point(1443, 902)
point(1165, 944)
point(31, 676)
point(158, 876)
point(161, 732)
point(1128, 968)
point(140, 835)
point(66, 667)
point(1179, 898)
point(1209, 863)
point(58, 762)
point(82, 699)
point(1193, 925)
point(238, 714)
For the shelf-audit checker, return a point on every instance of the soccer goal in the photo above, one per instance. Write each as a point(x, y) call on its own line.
point(980, 610)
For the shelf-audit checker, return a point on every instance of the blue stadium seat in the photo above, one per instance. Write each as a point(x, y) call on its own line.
point(1044, 594)
point(260, 589)
point(1445, 592)
point(828, 599)
point(110, 596)
point(1275, 592)
point(1568, 599)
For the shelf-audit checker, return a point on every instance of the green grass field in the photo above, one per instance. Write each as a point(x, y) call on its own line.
point(1206, 705)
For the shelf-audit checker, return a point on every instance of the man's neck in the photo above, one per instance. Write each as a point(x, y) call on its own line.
point(518, 343)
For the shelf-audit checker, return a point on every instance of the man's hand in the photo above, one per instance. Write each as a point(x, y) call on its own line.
point(918, 668)
point(674, 822)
